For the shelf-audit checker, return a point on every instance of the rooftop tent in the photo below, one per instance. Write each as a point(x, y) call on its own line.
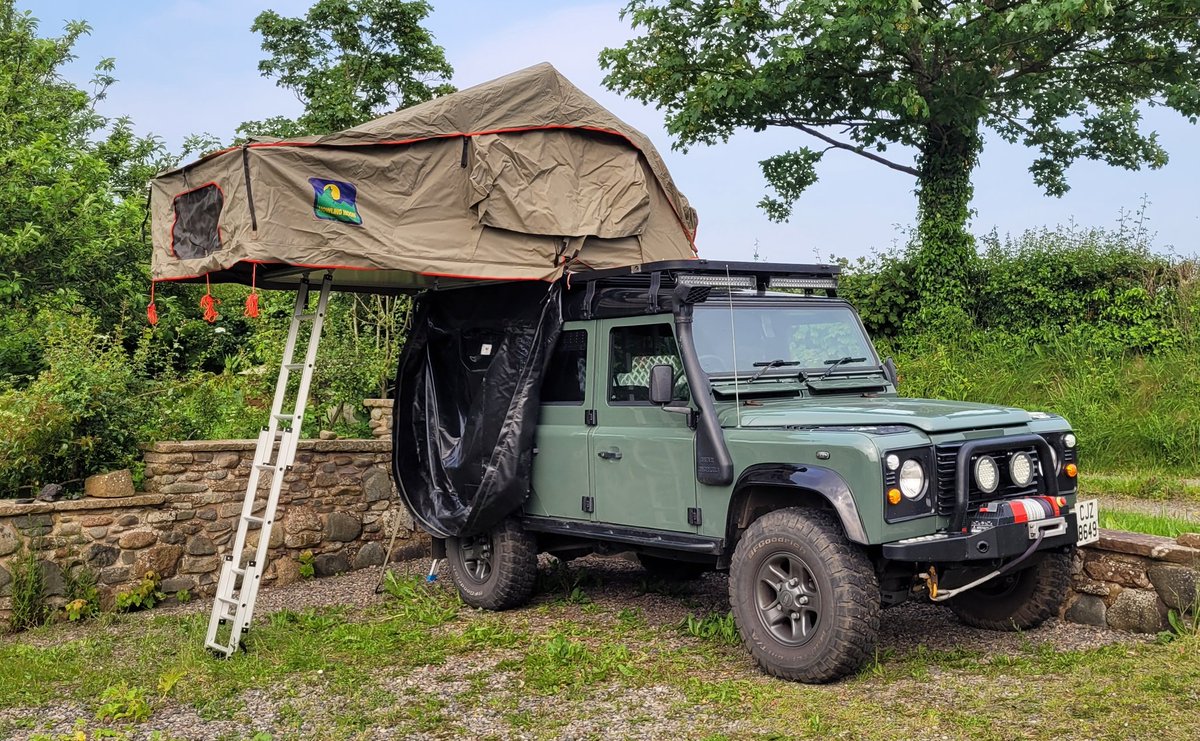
point(519, 178)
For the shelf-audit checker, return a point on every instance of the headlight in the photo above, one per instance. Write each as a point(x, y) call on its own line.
point(912, 479)
point(1020, 467)
point(987, 474)
point(1069, 440)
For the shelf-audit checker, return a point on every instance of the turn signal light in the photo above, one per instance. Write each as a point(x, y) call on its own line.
point(1072, 470)
point(893, 496)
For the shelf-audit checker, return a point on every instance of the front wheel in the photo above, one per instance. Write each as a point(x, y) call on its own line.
point(1018, 601)
point(805, 599)
point(495, 570)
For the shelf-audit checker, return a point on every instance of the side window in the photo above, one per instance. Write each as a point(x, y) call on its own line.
point(633, 352)
point(196, 228)
point(567, 372)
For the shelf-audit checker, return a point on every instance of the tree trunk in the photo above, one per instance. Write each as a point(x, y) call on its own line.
point(947, 250)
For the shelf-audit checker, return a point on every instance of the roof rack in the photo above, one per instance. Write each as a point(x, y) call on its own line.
point(754, 276)
point(656, 287)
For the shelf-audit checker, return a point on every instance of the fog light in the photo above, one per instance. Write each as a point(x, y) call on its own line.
point(892, 461)
point(1021, 469)
point(1072, 470)
point(893, 496)
point(987, 474)
point(1069, 439)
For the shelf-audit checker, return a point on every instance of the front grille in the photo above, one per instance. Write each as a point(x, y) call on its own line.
point(947, 460)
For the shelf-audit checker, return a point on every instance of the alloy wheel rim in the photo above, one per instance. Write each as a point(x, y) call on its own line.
point(476, 557)
point(787, 598)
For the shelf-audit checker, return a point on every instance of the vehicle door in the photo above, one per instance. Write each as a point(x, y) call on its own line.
point(562, 464)
point(643, 458)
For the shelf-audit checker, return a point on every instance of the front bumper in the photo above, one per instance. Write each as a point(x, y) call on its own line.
point(1000, 542)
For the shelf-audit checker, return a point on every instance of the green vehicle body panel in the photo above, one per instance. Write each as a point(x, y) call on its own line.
point(654, 482)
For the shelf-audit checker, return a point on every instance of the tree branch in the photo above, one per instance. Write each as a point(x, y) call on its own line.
point(861, 151)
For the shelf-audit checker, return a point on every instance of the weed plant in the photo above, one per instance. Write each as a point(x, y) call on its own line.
point(29, 608)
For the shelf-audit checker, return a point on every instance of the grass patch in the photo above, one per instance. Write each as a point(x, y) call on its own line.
point(420, 664)
point(1138, 522)
point(1132, 412)
point(1151, 485)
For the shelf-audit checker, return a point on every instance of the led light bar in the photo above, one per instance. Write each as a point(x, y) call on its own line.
point(715, 280)
point(786, 282)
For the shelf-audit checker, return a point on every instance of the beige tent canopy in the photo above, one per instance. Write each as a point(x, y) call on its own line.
point(522, 177)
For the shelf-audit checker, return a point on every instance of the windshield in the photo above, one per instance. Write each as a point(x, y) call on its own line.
point(810, 335)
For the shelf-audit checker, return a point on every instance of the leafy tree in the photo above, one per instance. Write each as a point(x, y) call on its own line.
point(72, 191)
point(1065, 77)
point(349, 61)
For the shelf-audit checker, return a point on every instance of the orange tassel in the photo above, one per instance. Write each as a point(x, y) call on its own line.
point(252, 300)
point(209, 304)
point(151, 309)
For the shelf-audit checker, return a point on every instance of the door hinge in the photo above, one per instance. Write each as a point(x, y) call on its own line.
point(589, 417)
point(694, 517)
point(589, 504)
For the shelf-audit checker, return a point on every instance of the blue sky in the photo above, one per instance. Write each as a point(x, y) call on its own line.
point(189, 66)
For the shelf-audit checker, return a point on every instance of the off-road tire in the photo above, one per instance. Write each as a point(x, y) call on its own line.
point(1018, 601)
point(671, 569)
point(511, 572)
point(843, 601)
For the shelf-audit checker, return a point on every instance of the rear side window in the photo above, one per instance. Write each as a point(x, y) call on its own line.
point(634, 351)
point(196, 230)
point(567, 373)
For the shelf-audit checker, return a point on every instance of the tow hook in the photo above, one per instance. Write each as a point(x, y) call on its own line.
point(931, 582)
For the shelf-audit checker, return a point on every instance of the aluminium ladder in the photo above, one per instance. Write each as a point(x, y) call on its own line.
point(237, 587)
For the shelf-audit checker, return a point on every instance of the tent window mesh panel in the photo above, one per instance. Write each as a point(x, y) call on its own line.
point(196, 231)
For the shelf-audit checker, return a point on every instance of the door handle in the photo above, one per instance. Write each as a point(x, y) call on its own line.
point(610, 455)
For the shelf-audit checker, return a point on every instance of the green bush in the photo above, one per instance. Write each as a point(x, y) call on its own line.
point(1104, 288)
point(77, 417)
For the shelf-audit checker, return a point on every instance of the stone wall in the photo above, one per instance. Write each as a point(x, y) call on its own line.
point(381, 416)
point(1128, 581)
point(338, 502)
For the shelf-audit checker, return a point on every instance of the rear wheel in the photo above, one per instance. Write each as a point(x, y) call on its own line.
point(1018, 601)
point(805, 599)
point(495, 570)
point(671, 569)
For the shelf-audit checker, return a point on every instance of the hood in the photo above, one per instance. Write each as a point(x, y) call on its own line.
point(927, 415)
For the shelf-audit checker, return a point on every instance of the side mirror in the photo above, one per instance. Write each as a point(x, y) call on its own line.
point(889, 370)
point(662, 384)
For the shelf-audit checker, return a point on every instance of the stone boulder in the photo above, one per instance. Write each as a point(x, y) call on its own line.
point(328, 564)
point(110, 485)
point(9, 540)
point(1139, 611)
point(1177, 586)
point(370, 554)
point(161, 559)
point(342, 528)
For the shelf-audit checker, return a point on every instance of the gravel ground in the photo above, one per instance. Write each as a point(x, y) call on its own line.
point(1181, 509)
point(612, 584)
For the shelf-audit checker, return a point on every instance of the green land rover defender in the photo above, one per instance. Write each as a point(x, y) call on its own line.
point(735, 416)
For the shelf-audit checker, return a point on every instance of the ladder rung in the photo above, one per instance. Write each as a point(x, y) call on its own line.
point(293, 366)
point(305, 317)
point(218, 647)
point(282, 417)
point(266, 466)
point(255, 519)
point(227, 600)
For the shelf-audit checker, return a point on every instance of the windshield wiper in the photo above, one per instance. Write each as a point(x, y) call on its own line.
point(768, 365)
point(835, 362)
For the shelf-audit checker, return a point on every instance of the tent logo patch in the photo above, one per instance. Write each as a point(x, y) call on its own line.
point(334, 200)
